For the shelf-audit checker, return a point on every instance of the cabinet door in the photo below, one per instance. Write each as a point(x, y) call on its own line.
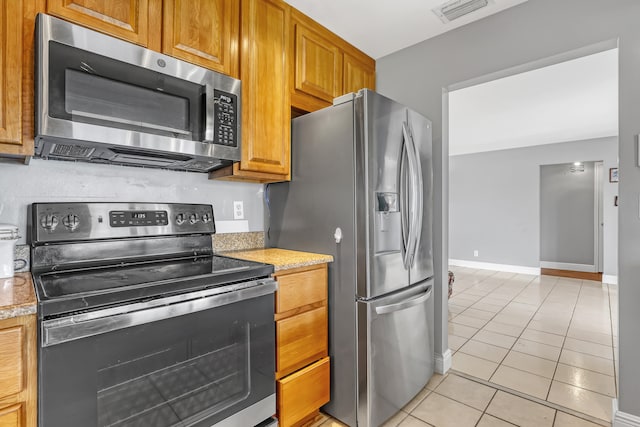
point(11, 416)
point(266, 112)
point(318, 64)
point(11, 73)
point(204, 32)
point(358, 74)
point(126, 19)
point(11, 361)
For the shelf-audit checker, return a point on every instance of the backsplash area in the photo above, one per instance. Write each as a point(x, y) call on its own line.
point(238, 241)
point(22, 257)
point(59, 181)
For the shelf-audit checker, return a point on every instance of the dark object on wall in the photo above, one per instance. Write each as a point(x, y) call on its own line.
point(615, 201)
point(452, 278)
point(613, 175)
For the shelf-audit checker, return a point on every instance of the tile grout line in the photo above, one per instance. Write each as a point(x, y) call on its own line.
point(564, 340)
point(613, 347)
point(528, 397)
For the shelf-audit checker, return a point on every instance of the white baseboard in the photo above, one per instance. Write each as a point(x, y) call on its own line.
point(622, 419)
point(586, 268)
point(610, 279)
point(497, 267)
point(443, 362)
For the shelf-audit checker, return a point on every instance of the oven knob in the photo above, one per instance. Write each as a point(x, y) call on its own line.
point(193, 218)
point(206, 218)
point(49, 222)
point(180, 219)
point(71, 221)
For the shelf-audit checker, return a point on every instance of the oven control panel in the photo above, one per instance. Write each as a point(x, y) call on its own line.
point(137, 218)
point(58, 222)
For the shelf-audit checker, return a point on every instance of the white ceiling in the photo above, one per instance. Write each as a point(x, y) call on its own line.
point(381, 27)
point(569, 101)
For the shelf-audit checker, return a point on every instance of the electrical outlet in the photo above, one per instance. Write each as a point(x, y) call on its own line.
point(238, 210)
point(475, 253)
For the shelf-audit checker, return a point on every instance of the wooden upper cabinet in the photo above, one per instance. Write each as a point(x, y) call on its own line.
point(318, 64)
point(266, 98)
point(359, 73)
point(17, 23)
point(11, 72)
point(203, 32)
point(137, 21)
point(324, 65)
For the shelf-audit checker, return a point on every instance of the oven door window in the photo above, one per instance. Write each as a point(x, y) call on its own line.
point(89, 88)
point(191, 370)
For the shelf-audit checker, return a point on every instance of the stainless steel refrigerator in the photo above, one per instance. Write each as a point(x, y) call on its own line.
point(361, 190)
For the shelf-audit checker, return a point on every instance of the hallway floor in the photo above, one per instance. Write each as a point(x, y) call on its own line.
point(548, 337)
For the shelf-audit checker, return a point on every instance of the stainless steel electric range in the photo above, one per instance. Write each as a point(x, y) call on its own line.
point(141, 324)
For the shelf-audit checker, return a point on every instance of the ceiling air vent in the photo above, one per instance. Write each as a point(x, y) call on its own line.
point(458, 8)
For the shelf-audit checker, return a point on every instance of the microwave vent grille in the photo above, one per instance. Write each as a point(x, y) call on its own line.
point(70, 150)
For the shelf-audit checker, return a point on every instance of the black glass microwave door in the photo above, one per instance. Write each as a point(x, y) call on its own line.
point(192, 370)
point(90, 88)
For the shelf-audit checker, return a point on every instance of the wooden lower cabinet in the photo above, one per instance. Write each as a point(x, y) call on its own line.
point(302, 362)
point(18, 386)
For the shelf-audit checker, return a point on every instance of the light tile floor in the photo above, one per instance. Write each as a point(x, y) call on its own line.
point(456, 401)
point(547, 337)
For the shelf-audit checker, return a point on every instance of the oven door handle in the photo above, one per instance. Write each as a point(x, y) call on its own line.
point(58, 331)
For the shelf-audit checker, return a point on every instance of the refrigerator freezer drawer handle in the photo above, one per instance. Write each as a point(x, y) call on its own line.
point(386, 309)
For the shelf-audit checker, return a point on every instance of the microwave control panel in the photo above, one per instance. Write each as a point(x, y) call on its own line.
point(226, 118)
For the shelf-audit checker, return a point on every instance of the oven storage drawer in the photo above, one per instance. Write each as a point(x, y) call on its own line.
point(303, 392)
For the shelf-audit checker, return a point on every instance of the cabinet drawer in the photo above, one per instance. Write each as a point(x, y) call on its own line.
point(300, 340)
point(302, 393)
point(11, 361)
point(299, 289)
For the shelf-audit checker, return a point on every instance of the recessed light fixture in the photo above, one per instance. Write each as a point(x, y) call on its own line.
point(455, 9)
point(576, 167)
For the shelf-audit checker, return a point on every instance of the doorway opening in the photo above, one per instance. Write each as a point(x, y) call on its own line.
point(571, 220)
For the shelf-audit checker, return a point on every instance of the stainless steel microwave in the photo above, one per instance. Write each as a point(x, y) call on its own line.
point(100, 99)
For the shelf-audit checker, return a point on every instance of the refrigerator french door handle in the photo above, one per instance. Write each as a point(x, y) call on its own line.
point(413, 196)
point(417, 198)
point(404, 201)
point(403, 305)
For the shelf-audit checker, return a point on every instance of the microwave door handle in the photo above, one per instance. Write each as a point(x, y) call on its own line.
point(417, 198)
point(210, 110)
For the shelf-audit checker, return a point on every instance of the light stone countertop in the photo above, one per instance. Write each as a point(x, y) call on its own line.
point(17, 296)
point(282, 259)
